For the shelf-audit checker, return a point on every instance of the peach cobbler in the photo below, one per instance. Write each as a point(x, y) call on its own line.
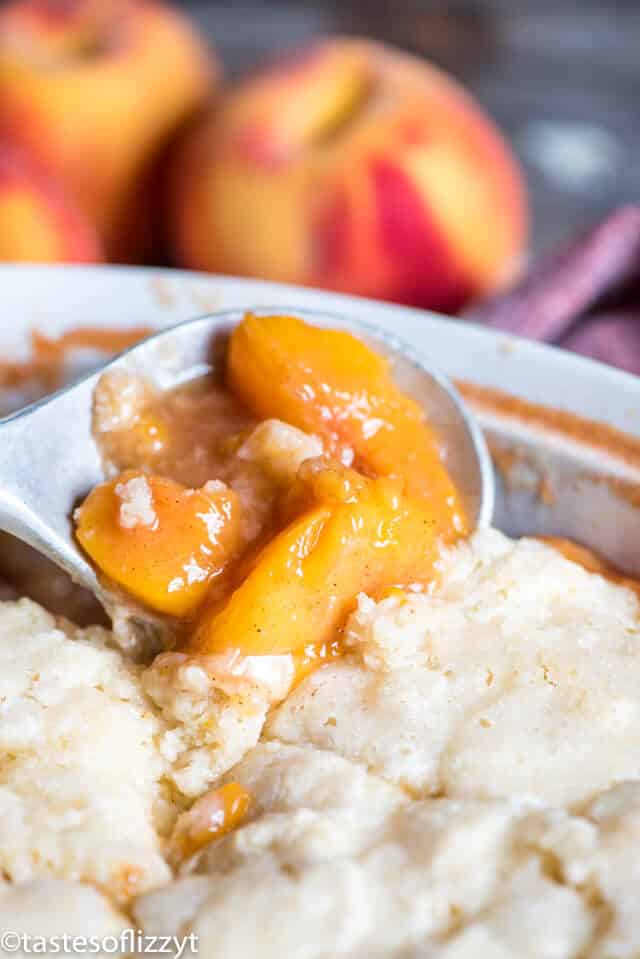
point(254, 511)
point(368, 731)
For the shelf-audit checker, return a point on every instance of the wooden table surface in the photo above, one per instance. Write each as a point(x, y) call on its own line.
point(561, 77)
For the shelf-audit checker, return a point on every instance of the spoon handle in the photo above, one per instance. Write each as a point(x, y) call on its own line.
point(48, 461)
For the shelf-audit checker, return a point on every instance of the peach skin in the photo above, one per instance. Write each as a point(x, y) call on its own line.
point(353, 167)
point(39, 223)
point(96, 89)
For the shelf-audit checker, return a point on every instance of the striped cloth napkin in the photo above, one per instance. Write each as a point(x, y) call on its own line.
point(583, 297)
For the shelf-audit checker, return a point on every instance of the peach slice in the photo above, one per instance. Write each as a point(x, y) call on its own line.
point(329, 383)
point(211, 817)
point(353, 534)
point(161, 542)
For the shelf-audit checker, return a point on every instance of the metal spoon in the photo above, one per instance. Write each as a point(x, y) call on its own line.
point(49, 460)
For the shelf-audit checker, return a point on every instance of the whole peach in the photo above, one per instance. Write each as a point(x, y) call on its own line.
point(95, 89)
point(38, 222)
point(353, 167)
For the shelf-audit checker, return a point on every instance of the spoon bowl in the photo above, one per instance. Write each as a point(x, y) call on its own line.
point(49, 459)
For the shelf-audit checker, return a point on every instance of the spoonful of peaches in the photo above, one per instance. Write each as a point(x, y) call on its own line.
point(243, 476)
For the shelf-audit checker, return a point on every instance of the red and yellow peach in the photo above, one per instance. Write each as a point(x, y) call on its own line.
point(357, 168)
point(94, 89)
point(38, 221)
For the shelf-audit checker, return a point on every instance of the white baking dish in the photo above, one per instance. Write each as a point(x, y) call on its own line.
point(576, 478)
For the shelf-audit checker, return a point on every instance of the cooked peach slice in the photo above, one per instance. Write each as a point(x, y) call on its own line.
point(161, 542)
point(212, 816)
point(353, 534)
point(329, 383)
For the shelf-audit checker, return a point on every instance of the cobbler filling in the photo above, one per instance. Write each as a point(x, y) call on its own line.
point(255, 512)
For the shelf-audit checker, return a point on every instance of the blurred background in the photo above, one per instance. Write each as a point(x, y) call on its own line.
point(433, 162)
point(561, 77)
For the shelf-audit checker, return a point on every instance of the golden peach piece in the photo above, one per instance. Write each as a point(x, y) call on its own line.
point(329, 383)
point(38, 222)
point(212, 816)
point(162, 543)
point(95, 89)
point(351, 534)
point(353, 167)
